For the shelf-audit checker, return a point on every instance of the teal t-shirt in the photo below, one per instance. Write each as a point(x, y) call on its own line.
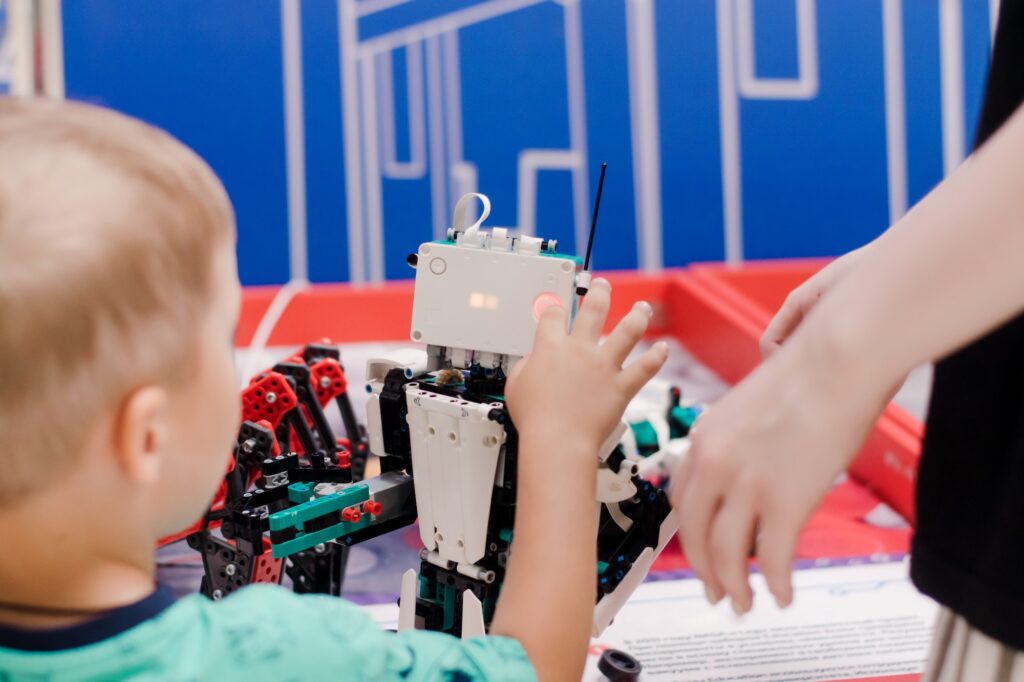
point(268, 633)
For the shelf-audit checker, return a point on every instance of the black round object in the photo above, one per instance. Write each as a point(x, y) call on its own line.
point(618, 666)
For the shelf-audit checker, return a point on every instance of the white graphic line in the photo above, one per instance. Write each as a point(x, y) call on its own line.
point(295, 138)
point(805, 85)
point(729, 125)
point(531, 161)
point(416, 166)
point(448, 22)
point(895, 114)
point(348, 36)
point(643, 98)
point(951, 55)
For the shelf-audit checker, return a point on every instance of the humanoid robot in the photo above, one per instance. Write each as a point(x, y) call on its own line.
point(441, 414)
point(437, 419)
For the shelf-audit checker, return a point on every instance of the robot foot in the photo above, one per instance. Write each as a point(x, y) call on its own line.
point(407, 602)
point(472, 616)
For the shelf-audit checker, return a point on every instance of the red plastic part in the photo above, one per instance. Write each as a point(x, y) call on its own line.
point(328, 380)
point(373, 508)
point(351, 514)
point(267, 569)
point(268, 398)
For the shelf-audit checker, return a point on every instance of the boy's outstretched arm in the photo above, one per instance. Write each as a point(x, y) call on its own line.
point(945, 274)
point(565, 400)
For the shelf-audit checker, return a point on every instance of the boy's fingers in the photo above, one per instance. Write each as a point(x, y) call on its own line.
point(637, 373)
point(776, 545)
point(593, 311)
point(699, 504)
point(550, 326)
point(731, 539)
point(627, 333)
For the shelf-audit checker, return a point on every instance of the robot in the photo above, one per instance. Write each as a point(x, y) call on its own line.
point(437, 419)
point(659, 437)
point(283, 405)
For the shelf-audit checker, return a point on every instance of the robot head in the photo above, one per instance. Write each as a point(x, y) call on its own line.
point(483, 291)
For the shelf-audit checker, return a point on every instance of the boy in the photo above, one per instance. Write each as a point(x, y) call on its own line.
point(118, 300)
point(944, 283)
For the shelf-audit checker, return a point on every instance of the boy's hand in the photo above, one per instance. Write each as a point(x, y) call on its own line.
point(760, 461)
point(571, 386)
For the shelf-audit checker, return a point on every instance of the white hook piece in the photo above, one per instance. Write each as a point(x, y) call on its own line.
point(463, 205)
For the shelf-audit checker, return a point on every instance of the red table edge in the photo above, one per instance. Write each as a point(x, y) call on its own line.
point(698, 306)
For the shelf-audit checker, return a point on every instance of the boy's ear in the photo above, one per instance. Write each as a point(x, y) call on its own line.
point(140, 433)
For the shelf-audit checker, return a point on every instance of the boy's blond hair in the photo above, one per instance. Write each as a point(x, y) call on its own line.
point(107, 231)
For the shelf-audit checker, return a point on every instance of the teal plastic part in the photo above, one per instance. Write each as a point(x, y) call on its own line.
point(575, 259)
point(298, 493)
point(686, 416)
point(488, 608)
point(505, 534)
point(601, 567)
point(321, 506)
point(448, 602)
point(306, 541)
point(645, 434)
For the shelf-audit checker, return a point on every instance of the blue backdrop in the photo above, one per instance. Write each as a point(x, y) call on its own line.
point(732, 128)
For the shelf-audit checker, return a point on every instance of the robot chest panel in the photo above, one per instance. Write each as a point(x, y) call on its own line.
point(456, 450)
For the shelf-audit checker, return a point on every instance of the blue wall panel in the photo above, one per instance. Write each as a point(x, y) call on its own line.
point(210, 73)
point(497, 81)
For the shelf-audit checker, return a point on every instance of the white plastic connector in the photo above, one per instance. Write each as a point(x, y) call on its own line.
point(530, 245)
point(499, 239)
point(583, 279)
point(412, 360)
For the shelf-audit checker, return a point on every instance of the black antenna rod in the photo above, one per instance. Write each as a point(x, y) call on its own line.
point(593, 219)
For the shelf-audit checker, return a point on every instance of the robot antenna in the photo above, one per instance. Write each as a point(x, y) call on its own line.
point(593, 220)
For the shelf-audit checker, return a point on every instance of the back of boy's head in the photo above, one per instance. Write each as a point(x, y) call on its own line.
point(108, 229)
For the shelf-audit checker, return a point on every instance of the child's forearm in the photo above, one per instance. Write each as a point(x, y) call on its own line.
point(547, 601)
point(946, 273)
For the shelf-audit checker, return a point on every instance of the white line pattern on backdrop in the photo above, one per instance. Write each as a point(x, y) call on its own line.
point(643, 98)
point(452, 21)
point(452, 109)
point(366, 7)
point(576, 92)
point(367, 64)
point(435, 117)
point(416, 166)
point(895, 108)
point(295, 138)
point(805, 85)
point(372, 177)
point(993, 17)
point(729, 124)
point(951, 59)
point(438, 182)
point(348, 36)
point(531, 162)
